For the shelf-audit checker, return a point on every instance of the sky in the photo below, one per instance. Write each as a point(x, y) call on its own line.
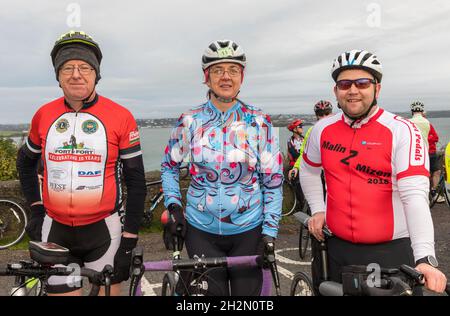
point(152, 51)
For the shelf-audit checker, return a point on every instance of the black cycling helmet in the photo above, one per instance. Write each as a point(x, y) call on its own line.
point(77, 45)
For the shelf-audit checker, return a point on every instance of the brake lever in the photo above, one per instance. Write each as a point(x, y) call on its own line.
point(107, 272)
point(269, 255)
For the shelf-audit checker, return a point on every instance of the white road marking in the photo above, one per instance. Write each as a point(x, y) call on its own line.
point(148, 288)
point(283, 259)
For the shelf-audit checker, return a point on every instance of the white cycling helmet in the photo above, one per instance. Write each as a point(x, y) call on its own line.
point(357, 59)
point(417, 106)
point(223, 51)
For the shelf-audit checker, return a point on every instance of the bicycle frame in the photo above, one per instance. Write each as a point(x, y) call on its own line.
point(139, 267)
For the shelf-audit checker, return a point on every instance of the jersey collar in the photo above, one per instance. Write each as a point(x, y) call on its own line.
point(85, 105)
point(373, 117)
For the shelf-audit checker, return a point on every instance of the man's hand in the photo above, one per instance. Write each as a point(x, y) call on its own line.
point(34, 226)
point(122, 259)
point(435, 280)
point(293, 174)
point(315, 225)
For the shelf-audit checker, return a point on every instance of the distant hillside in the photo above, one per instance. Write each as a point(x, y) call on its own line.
point(278, 120)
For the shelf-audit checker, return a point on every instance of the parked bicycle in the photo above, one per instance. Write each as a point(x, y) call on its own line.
point(31, 277)
point(13, 220)
point(290, 202)
point(357, 280)
point(441, 190)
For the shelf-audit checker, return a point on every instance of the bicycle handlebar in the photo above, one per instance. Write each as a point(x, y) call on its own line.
point(391, 285)
point(304, 218)
point(34, 270)
point(138, 266)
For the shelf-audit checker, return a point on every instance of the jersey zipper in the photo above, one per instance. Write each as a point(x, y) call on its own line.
point(224, 138)
point(350, 188)
point(73, 141)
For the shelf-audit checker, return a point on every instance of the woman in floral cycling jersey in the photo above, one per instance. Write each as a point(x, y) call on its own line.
point(234, 198)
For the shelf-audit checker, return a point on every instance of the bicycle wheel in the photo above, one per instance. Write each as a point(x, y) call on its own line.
point(168, 285)
point(13, 220)
point(301, 285)
point(304, 235)
point(303, 242)
point(289, 199)
point(440, 191)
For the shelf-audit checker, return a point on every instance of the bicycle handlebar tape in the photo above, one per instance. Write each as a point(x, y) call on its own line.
point(413, 273)
point(331, 288)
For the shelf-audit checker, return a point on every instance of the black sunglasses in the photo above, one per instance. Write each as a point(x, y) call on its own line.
point(362, 83)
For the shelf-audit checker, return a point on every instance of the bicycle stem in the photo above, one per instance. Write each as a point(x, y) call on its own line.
point(270, 257)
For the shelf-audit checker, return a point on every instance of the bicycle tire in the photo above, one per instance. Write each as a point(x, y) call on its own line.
point(289, 200)
point(440, 191)
point(303, 242)
point(13, 220)
point(168, 285)
point(301, 285)
point(304, 235)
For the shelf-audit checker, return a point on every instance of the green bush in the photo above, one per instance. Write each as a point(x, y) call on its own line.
point(8, 154)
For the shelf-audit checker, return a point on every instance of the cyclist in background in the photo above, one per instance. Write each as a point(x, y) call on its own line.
point(294, 145)
point(295, 142)
point(447, 167)
point(234, 198)
point(431, 138)
point(376, 172)
point(322, 109)
point(86, 143)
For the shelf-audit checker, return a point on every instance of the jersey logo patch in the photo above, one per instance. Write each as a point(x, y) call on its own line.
point(62, 125)
point(134, 137)
point(89, 126)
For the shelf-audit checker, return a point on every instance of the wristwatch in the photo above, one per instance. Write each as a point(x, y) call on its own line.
point(428, 260)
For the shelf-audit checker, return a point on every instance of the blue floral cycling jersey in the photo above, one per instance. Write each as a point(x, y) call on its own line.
point(235, 165)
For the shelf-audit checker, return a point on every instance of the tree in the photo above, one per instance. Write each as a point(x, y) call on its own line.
point(8, 154)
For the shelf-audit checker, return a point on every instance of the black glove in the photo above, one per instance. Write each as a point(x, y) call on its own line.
point(34, 226)
point(175, 229)
point(266, 249)
point(122, 259)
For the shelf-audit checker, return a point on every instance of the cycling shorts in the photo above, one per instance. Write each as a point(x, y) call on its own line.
point(434, 162)
point(239, 281)
point(92, 246)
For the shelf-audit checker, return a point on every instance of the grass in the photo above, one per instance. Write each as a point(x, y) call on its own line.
point(22, 245)
point(10, 134)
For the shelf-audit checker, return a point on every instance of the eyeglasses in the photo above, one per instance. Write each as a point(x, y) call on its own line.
point(232, 71)
point(82, 69)
point(362, 83)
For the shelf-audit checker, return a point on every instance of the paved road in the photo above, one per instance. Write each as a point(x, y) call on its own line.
point(287, 254)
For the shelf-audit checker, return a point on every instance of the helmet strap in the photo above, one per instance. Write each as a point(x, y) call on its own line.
point(362, 116)
point(221, 99)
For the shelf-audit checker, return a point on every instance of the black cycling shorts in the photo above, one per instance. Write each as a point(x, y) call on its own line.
point(390, 254)
point(434, 162)
point(92, 246)
point(239, 281)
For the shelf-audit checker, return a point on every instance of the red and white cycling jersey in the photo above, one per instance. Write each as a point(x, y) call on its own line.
point(81, 152)
point(362, 168)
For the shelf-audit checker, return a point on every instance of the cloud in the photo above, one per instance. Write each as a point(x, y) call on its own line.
point(152, 51)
